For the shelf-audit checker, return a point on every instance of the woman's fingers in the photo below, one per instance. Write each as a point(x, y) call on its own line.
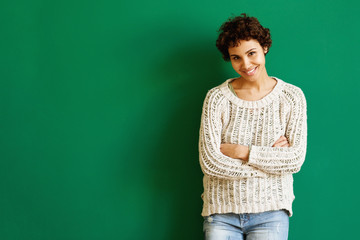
point(281, 142)
point(284, 144)
point(277, 141)
point(282, 138)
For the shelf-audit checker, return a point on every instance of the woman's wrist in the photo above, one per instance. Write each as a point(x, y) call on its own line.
point(243, 152)
point(235, 151)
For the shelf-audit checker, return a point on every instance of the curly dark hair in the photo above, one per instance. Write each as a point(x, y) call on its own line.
point(239, 28)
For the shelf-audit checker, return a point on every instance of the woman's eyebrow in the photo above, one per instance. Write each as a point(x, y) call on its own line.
point(250, 50)
point(245, 52)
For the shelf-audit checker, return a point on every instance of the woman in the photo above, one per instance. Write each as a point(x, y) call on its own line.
point(253, 138)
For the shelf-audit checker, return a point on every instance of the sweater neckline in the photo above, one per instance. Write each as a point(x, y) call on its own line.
point(268, 98)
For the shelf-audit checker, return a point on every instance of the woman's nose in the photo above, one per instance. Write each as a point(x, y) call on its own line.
point(246, 64)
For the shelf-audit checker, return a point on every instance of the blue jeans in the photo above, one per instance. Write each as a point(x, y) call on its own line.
point(269, 225)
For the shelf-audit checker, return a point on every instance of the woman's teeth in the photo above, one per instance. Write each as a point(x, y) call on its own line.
point(251, 71)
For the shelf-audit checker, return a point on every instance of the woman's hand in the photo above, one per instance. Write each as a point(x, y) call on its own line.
point(235, 151)
point(281, 142)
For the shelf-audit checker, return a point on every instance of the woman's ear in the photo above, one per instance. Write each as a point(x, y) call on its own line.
point(265, 50)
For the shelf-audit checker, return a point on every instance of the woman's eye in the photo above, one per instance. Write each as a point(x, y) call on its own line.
point(252, 53)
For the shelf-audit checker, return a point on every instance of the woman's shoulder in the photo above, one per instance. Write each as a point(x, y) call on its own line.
point(292, 88)
point(292, 92)
point(215, 97)
point(217, 91)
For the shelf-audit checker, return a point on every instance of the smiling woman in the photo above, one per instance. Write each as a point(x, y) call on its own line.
point(248, 60)
point(253, 138)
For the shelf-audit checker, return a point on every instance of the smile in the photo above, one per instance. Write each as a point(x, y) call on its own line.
point(251, 72)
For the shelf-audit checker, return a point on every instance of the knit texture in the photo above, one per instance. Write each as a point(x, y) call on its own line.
point(265, 181)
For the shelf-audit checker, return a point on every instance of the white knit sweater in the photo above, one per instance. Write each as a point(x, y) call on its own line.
point(265, 182)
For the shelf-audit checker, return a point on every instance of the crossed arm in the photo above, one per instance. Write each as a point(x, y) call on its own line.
point(242, 152)
point(285, 156)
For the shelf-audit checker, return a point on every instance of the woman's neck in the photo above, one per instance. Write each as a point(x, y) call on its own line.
point(259, 85)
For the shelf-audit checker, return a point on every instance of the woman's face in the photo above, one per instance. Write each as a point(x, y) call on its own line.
point(248, 60)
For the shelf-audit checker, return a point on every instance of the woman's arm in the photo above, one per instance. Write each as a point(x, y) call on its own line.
point(212, 161)
point(242, 152)
point(285, 160)
point(287, 154)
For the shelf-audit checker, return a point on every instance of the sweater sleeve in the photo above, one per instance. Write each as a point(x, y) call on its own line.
point(285, 160)
point(212, 161)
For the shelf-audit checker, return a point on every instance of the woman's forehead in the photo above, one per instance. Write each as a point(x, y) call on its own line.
point(245, 45)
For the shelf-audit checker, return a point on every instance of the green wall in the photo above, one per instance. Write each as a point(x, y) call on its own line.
point(100, 110)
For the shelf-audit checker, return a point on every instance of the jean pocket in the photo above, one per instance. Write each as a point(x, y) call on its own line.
point(273, 215)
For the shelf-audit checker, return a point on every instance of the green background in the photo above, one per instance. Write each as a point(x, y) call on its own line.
point(100, 110)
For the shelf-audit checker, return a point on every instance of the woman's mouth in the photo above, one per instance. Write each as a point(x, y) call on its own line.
point(250, 72)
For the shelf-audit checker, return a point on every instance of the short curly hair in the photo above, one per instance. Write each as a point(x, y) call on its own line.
point(239, 28)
